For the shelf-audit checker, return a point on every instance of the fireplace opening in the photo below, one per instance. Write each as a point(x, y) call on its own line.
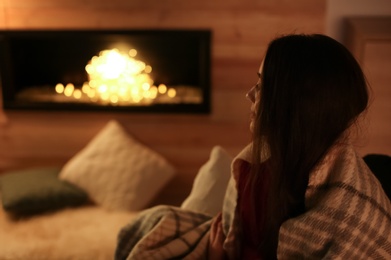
point(128, 70)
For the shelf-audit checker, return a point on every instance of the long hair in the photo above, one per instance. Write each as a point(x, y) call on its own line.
point(312, 90)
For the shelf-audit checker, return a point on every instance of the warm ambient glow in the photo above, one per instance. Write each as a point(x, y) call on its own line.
point(117, 78)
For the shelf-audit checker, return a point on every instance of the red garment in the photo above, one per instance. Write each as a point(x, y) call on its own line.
point(250, 221)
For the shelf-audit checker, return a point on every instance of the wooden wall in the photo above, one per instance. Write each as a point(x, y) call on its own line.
point(369, 39)
point(241, 31)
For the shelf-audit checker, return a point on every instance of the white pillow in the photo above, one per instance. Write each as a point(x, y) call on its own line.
point(116, 171)
point(209, 185)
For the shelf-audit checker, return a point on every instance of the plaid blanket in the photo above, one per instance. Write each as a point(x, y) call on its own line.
point(348, 216)
point(165, 232)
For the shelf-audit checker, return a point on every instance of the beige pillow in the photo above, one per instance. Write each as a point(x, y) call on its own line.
point(209, 185)
point(116, 171)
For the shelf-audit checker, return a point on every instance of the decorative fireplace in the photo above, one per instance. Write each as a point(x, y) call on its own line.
point(124, 70)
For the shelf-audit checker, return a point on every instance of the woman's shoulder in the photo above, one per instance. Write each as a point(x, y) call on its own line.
point(342, 171)
point(341, 163)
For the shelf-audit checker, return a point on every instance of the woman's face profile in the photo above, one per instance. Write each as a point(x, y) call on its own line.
point(254, 95)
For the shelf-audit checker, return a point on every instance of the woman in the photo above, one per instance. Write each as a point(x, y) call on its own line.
point(300, 191)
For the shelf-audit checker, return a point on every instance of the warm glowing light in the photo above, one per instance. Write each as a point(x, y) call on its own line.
point(153, 92)
point(147, 94)
point(77, 93)
point(146, 86)
point(105, 96)
point(68, 91)
point(91, 93)
point(93, 83)
point(148, 69)
point(114, 99)
point(102, 89)
point(117, 78)
point(89, 68)
point(162, 88)
point(85, 88)
point(59, 88)
point(171, 93)
point(132, 53)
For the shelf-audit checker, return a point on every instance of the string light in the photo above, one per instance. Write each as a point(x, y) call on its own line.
point(117, 78)
point(114, 77)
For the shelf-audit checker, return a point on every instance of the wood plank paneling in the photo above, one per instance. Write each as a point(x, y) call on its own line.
point(369, 39)
point(3, 12)
point(377, 66)
point(270, 5)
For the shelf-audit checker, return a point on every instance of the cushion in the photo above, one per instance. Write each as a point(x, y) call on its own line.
point(37, 190)
point(210, 183)
point(380, 165)
point(116, 171)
